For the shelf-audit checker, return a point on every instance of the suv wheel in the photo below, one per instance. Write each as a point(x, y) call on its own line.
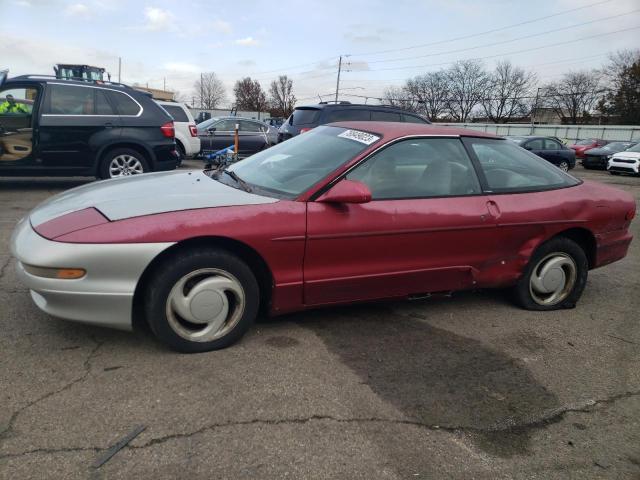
point(123, 162)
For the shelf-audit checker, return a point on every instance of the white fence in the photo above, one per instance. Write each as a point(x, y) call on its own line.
point(566, 132)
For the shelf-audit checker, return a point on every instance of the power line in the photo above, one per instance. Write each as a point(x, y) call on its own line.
point(486, 32)
point(506, 41)
point(513, 52)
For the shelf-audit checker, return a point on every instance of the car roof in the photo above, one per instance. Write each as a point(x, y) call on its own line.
point(391, 130)
point(321, 106)
point(54, 79)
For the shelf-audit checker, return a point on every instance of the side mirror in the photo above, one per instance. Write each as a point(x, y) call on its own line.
point(347, 191)
point(211, 130)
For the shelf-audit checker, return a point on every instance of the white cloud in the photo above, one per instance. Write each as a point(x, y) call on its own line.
point(182, 67)
point(221, 26)
point(248, 42)
point(158, 19)
point(77, 10)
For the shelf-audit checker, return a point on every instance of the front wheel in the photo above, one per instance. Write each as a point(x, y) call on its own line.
point(202, 300)
point(555, 276)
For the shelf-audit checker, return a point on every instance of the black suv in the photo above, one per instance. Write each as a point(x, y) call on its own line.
point(51, 126)
point(305, 118)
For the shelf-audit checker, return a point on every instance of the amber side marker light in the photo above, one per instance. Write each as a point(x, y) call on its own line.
point(630, 214)
point(61, 273)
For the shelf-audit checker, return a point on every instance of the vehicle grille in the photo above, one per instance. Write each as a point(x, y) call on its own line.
point(622, 169)
point(625, 161)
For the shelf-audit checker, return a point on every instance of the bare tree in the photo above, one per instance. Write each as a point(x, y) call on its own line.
point(619, 61)
point(281, 95)
point(507, 87)
point(431, 92)
point(574, 97)
point(209, 90)
point(467, 85)
point(400, 97)
point(249, 95)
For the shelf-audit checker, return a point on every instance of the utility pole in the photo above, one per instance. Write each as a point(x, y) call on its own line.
point(533, 110)
point(201, 89)
point(119, 69)
point(338, 82)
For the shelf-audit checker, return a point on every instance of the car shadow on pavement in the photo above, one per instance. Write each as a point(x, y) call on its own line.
point(436, 378)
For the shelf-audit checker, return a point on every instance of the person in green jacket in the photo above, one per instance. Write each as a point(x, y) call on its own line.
point(11, 106)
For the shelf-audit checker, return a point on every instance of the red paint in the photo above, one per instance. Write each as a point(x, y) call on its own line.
point(581, 149)
point(322, 253)
point(347, 191)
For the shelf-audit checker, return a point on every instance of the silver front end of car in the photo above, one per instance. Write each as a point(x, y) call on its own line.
point(103, 296)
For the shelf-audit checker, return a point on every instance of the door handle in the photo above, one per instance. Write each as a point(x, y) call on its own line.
point(493, 209)
point(108, 125)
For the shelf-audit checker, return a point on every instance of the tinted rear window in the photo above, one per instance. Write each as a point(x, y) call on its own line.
point(124, 103)
point(304, 116)
point(385, 116)
point(348, 115)
point(176, 112)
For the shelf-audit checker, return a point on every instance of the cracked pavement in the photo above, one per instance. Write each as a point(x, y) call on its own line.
point(464, 387)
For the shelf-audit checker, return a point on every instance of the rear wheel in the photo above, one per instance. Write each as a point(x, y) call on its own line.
point(564, 166)
point(123, 162)
point(202, 300)
point(555, 276)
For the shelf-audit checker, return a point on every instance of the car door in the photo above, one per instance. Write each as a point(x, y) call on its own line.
point(74, 119)
point(18, 125)
point(537, 146)
point(223, 135)
point(252, 137)
point(427, 228)
point(556, 153)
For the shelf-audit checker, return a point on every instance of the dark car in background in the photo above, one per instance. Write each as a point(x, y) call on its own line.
point(549, 148)
point(218, 133)
point(581, 146)
point(305, 118)
point(598, 157)
point(52, 126)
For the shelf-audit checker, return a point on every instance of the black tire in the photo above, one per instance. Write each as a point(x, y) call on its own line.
point(108, 158)
point(614, 173)
point(170, 273)
point(564, 246)
point(181, 153)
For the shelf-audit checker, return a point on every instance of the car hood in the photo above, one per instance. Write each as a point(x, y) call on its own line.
point(627, 156)
point(600, 152)
point(146, 194)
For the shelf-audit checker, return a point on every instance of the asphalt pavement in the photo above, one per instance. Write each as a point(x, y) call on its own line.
point(453, 388)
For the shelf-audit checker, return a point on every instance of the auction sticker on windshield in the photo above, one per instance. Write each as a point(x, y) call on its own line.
point(358, 136)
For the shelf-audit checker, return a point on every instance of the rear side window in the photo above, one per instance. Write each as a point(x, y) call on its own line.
point(124, 103)
point(76, 100)
point(304, 116)
point(348, 115)
point(250, 126)
point(385, 116)
point(413, 119)
point(177, 113)
point(509, 168)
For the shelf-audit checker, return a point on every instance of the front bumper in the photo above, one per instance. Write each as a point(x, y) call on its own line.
point(594, 161)
point(624, 166)
point(104, 296)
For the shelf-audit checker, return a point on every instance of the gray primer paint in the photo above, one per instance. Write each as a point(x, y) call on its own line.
point(146, 194)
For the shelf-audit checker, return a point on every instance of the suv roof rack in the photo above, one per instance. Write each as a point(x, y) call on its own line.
point(339, 102)
point(70, 79)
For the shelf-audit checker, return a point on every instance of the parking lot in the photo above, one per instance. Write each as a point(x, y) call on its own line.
point(462, 387)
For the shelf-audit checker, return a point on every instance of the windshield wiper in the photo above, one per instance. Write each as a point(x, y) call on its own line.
point(245, 186)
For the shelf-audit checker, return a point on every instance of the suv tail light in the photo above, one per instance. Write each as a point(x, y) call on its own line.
point(194, 130)
point(168, 130)
point(304, 130)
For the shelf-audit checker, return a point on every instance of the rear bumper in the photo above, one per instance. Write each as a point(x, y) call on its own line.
point(166, 157)
point(104, 296)
point(612, 246)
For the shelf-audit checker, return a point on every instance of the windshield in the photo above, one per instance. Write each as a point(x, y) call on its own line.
point(617, 146)
point(292, 167)
point(207, 123)
point(635, 148)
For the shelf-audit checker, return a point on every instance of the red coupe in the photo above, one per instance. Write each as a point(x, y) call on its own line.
point(581, 146)
point(348, 212)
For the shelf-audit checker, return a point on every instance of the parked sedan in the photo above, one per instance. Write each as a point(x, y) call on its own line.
point(548, 148)
point(598, 157)
point(348, 212)
point(581, 146)
point(218, 133)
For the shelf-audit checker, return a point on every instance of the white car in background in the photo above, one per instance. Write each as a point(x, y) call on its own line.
point(187, 139)
point(625, 162)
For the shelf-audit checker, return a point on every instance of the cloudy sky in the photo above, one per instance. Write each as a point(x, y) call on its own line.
point(387, 40)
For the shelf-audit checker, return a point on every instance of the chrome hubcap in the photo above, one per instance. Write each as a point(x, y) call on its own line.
point(124, 165)
point(553, 279)
point(205, 305)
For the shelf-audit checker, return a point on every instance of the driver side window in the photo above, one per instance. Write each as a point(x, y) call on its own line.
point(419, 168)
point(16, 109)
